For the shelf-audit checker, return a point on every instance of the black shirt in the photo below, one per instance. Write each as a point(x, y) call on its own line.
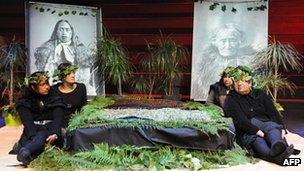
point(73, 100)
point(244, 107)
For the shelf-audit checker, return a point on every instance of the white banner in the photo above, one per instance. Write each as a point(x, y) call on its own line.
point(225, 34)
point(58, 33)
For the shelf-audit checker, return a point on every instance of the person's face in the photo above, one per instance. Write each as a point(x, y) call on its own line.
point(64, 32)
point(227, 81)
point(242, 87)
point(43, 88)
point(70, 78)
point(227, 44)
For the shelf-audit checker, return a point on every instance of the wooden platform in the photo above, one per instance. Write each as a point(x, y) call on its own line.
point(9, 135)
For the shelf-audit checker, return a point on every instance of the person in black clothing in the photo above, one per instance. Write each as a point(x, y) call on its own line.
point(41, 113)
point(73, 93)
point(219, 90)
point(257, 122)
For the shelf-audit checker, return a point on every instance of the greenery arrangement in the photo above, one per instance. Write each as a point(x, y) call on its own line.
point(273, 58)
point(12, 57)
point(90, 117)
point(128, 157)
point(112, 61)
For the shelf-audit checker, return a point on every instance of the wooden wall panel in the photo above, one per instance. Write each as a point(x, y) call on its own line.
point(136, 22)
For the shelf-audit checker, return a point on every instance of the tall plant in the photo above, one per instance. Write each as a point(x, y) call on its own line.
point(112, 61)
point(171, 55)
point(163, 64)
point(12, 56)
point(275, 57)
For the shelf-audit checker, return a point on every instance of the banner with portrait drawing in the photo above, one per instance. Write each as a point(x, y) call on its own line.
point(58, 33)
point(225, 33)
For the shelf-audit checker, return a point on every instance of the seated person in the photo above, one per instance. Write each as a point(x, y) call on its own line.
point(41, 113)
point(74, 94)
point(219, 90)
point(217, 95)
point(257, 122)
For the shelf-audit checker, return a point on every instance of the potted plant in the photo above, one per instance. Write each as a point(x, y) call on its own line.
point(112, 61)
point(12, 56)
point(277, 56)
point(151, 80)
point(162, 67)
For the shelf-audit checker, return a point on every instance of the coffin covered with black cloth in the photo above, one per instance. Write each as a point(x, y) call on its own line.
point(85, 138)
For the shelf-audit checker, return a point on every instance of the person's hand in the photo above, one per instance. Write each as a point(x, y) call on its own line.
point(260, 134)
point(51, 139)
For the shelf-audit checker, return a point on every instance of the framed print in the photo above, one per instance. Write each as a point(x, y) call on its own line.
point(225, 33)
point(58, 33)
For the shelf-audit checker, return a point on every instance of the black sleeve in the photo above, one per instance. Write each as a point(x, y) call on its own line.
point(27, 120)
point(271, 110)
point(232, 109)
point(211, 97)
point(84, 95)
point(58, 117)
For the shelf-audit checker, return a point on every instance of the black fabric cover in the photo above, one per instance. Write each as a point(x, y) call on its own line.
point(84, 138)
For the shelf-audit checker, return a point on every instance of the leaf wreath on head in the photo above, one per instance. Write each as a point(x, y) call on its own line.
point(37, 78)
point(60, 74)
point(241, 73)
point(227, 71)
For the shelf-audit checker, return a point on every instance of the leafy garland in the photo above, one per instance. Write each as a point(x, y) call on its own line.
point(241, 73)
point(60, 74)
point(43, 8)
point(261, 6)
point(35, 79)
point(128, 157)
point(91, 116)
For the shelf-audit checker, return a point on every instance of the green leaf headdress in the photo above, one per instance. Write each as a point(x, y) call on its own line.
point(35, 78)
point(227, 71)
point(59, 74)
point(241, 73)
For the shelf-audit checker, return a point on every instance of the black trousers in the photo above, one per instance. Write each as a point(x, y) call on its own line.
point(36, 143)
point(261, 146)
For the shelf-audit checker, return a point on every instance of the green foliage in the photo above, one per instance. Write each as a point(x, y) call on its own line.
point(170, 55)
point(37, 78)
point(128, 157)
point(62, 12)
point(213, 111)
point(101, 102)
point(241, 73)
point(277, 56)
point(12, 57)
point(192, 105)
point(162, 65)
point(112, 60)
point(92, 115)
point(55, 159)
point(269, 81)
point(260, 5)
point(60, 74)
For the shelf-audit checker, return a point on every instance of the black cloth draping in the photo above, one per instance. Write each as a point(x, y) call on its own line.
point(85, 138)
